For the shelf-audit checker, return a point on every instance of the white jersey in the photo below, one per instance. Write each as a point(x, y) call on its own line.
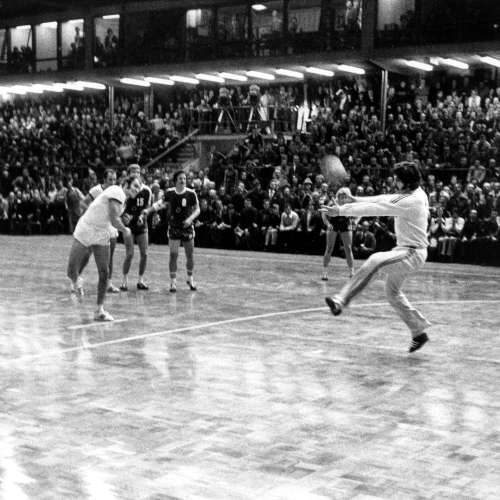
point(97, 215)
point(96, 191)
point(410, 212)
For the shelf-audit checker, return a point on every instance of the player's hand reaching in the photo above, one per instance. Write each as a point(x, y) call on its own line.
point(187, 223)
point(331, 211)
point(126, 218)
point(142, 218)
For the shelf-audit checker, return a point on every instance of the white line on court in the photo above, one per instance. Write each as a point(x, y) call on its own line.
point(240, 319)
point(311, 260)
point(96, 323)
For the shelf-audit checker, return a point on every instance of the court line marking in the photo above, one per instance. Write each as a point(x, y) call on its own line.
point(240, 319)
point(96, 323)
point(301, 260)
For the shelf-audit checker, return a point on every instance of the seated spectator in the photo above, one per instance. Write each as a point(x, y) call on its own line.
point(269, 223)
point(203, 224)
point(288, 228)
point(247, 229)
point(452, 231)
point(364, 243)
point(309, 229)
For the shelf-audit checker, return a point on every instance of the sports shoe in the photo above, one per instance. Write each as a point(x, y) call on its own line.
point(191, 286)
point(103, 316)
point(173, 288)
point(77, 287)
point(124, 288)
point(112, 289)
point(324, 277)
point(142, 286)
point(334, 306)
point(418, 342)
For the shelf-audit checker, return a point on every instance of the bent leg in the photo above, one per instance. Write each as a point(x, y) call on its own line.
point(413, 318)
point(84, 262)
point(174, 253)
point(101, 256)
point(129, 255)
point(347, 242)
point(331, 237)
point(367, 271)
point(77, 256)
point(142, 242)
point(189, 250)
point(112, 246)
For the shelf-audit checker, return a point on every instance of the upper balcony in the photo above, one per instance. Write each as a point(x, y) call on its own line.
point(153, 33)
point(426, 22)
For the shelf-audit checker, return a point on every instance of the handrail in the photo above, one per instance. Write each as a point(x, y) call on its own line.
point(169, 150)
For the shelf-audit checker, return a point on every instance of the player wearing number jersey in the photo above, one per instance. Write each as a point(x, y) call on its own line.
point(183, 208)
point(139, 227)
point(410, 209)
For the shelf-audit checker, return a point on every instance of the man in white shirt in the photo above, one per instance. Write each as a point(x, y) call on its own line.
point(410, 208)
point(94, 231)
point(94, 192)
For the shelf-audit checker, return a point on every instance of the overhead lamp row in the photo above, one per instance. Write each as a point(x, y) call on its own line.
point(223, 76)
point(448, 61)
point(40, 88)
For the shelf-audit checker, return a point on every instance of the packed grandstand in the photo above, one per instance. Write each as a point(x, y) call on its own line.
point(55, 149)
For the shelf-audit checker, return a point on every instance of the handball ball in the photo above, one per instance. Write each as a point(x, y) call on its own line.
point(333, 170)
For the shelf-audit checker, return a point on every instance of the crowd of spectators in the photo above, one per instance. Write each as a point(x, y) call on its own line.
point(265, 192)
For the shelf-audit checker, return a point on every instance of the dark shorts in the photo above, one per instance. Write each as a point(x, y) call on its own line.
point(138, 229)
point(181, 233)
point(340, 224)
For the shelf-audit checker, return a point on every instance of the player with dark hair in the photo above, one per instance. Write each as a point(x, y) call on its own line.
point(410, 208)
point(94, 192)
point(183, 208)
point(93, 232)
point(139, 227)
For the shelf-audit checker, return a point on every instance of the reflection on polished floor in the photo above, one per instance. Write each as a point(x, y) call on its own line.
point(247, 388)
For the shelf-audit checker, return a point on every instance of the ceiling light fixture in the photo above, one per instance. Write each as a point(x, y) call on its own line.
point(92, 85)
point(351, 69)
point(454, 63)
point(210, 78)
point(419, 65)
point(491, 61)
point(159, 81)
point(185, 79)
point(233, 76)
point(135, 81)
point(260, 75)
point(320, 71)
point(290, 73)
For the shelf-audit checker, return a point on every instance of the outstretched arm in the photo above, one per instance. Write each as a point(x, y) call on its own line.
point(387, 205)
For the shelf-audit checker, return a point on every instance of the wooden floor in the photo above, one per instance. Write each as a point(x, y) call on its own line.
point(247, 388)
